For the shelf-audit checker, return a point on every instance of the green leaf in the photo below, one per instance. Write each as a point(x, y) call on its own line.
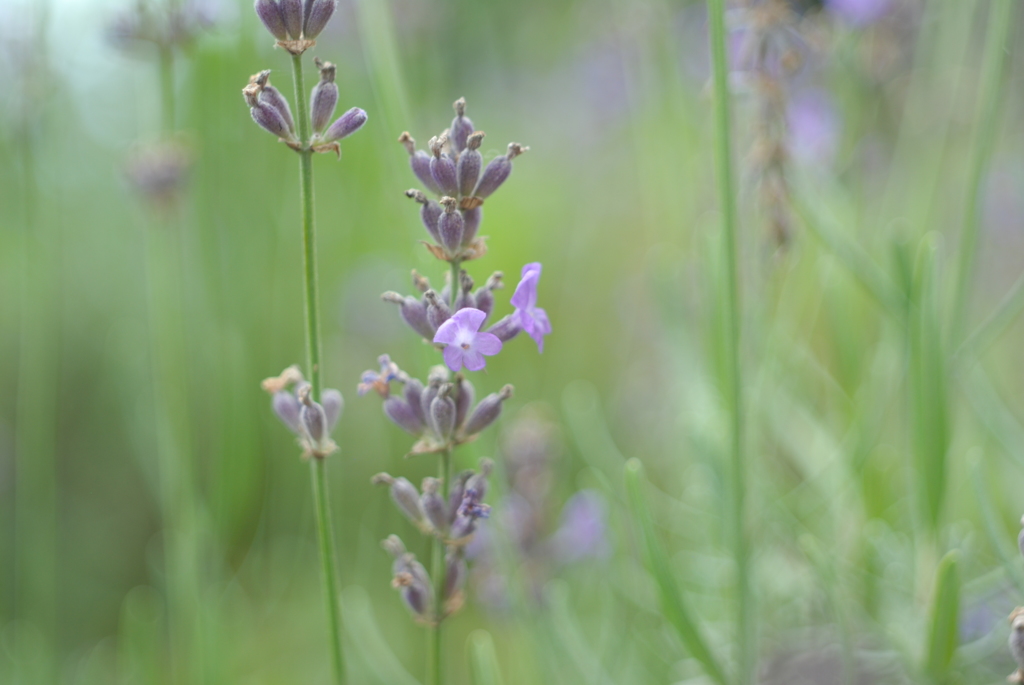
point(483, 662)
point(673, 607)
point(945, 609)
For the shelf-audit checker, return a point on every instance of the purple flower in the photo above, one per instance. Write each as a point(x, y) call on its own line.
point(860, 12)
point(371, 380)
point(466, 345)
point(532, 318)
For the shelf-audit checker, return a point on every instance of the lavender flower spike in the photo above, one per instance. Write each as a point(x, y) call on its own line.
point(465, 343)
point(532, 318)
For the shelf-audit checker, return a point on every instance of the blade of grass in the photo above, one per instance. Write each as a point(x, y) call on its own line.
point(942, 623)
point(1000, 20)
point(1005, 313)
point(993, 413)
point(483, 662)
point(673, 606)
point(371, 646)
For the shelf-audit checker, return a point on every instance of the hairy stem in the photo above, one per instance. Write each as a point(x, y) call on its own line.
point(729, 339)
point(318, 466)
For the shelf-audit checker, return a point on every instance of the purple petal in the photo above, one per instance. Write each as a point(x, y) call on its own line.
point(473, 360)
point(525, 295)
point(468, 318)
point(487, 343)
point(448, 331)
point(453, 356)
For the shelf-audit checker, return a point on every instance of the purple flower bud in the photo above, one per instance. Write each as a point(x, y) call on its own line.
point(333, 404)
point(430, 212)
point(471, 223)
point(450, 226)
point(413, 395)
point(273, 97)
point(413, 312)
point(487, 411)
point(324, 98)
point(463, 398)
point(313, 421)
point(461, 126)
point(318, 13)
point(291, 11)
point(442, 413)
point(410, 577)
point(287, 407)
point(433, 505)
point(484, 297)
point(420, 163)
point(438, 311)
point(347, 124)
point(456, 494)
point(270, 14)
point(497, 171)
point(427, 398)
point(442, 168)
point(455, 574)
point(470, 162)
point(269, 119)
point(506, 328)
point(403, 415)
point(476, 486)
point(404, 495)
point(465, 297)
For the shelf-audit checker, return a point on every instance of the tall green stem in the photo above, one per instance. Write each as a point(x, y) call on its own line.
point(438, 571)
point(729, 339)
point(999, 23)
point(318, 466)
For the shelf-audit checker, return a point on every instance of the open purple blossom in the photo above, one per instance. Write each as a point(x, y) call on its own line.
point(372, 380)
point(465, 344)
point(532, 318)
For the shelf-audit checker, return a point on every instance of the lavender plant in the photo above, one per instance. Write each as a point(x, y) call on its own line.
point(441, 413)
point(302, 403)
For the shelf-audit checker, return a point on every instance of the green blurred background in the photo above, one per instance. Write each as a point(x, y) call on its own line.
point(868, 416)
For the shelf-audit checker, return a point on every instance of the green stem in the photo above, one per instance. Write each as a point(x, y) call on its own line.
point(456, 264)
point(437, 573)
point(730, 340)
point(318, 466)
point(999, 23)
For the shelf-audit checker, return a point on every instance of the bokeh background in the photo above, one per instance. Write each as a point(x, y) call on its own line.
point(884, 428)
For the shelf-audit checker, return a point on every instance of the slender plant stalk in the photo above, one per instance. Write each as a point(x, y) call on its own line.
point(746, 637)
point(999, 23)
point(318, 467)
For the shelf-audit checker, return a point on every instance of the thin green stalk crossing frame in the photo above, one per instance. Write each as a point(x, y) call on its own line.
point(729, 338)
point(318, 466)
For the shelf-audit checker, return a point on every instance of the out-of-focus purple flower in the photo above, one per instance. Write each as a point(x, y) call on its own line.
point(465, 344)
point(532, 318)
point(813, 127)
point(859, 12)
point(372, 380)
point(581, 533)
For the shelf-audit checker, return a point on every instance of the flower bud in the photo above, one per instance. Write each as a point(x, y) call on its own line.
point(497, 171)
point(392, 544)
point(412, 392)
point(450, 226)
point(487, 411)
point(347, 124)
point(433, 505)
point(333, 404)
point(420, 282)
point(406, 498)
point(273, 97)
point(442, 168)
point(291, 10)
point(270, 120)
point(313, 420)
point(457, 492)
point(484, 297)
point(287, 407)
point(471, 223)
point(420, 163)
point(461, 126)
point(430, 212)
point(414, 584)
point(324, 98)
point(270, 14)
point(477, 483)
point(465, 297)
point(402, 415)
point(506, 328)
point(413, 312)
point(318, 14)
point(437, 309)
point(442, 413)
point(470, 162)
point(463, 398)
point(455, 574)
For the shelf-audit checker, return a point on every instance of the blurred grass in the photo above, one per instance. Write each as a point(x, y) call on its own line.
point(847, 372)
